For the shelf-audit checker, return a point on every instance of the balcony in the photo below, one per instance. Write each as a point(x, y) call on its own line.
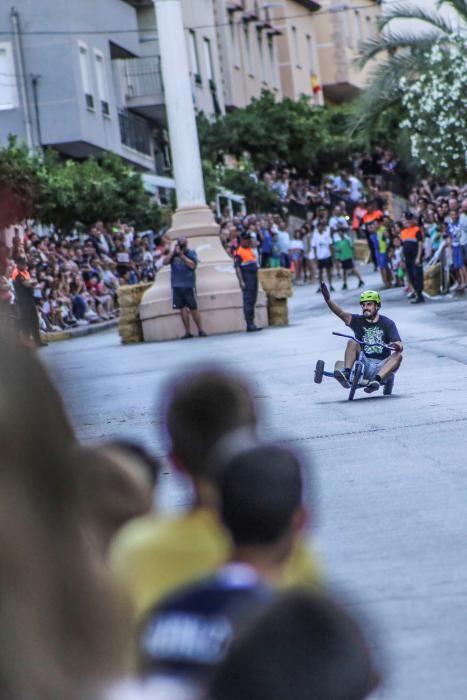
point(135, 132)
point(143, 89)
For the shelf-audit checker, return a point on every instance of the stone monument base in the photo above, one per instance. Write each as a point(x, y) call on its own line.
point(219, 296)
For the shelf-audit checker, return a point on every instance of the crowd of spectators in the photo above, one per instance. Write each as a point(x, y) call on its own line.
point(314, 227)
point(73, 280)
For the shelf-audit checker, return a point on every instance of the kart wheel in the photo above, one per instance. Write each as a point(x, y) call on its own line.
point(355, 381)
point(388, 386)
point(319, 371)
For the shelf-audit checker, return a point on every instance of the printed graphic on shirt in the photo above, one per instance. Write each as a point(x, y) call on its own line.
point(371, 335)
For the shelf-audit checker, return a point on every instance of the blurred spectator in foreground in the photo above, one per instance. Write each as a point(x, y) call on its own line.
point(188, 634)
point(59, 619)
point(305, 647)
point(118, 481)
point(154, 555)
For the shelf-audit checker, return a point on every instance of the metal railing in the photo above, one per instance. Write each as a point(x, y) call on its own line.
point(143, 78)
point(135, 132)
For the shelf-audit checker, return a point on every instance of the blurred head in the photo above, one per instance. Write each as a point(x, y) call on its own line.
point(260, 496)
point(305, 647)
point(203, 406)
point(117, 481)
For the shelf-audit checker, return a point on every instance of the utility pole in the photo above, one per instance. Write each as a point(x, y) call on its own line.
point(21, 66)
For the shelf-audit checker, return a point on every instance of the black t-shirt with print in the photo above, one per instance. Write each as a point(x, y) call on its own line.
point(383, 331)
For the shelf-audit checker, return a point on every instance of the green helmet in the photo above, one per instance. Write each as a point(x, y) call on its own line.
point(370, 295)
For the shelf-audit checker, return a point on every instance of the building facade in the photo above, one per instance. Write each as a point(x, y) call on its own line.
point(340, 27)
point(85, 78)
point(299, 65)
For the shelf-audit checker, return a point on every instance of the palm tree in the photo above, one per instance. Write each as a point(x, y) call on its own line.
point(406, 56)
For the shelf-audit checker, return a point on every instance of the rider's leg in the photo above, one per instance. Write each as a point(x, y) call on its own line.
point(351, 354)
point(391, 365)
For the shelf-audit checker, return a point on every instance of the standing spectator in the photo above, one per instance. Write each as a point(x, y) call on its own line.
point(29, 320)
point(246, 266)
point(183, 262)
point(412, 243)
point(344, 254)
point(322, 246)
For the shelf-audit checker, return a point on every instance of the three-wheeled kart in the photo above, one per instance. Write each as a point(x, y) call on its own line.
point(357, 379)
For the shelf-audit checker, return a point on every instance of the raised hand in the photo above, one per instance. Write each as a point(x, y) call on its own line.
point(325, 292)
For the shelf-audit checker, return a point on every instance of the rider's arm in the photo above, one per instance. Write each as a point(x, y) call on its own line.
point(343, 315)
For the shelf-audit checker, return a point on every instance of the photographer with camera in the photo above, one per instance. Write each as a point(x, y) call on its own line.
point(183, 263)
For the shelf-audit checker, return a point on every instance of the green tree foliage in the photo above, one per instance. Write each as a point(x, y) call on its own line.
point(18, 184)
point(402, 55)
point(67, 193)
point(298, 134)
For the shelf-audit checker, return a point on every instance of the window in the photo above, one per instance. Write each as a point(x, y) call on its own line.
point(246, 36)
point(358, 26)
point(296, 47)
point(102, 83)
point(261, 55)
point(208, 59)
point(8, 90)
point(86, 75)
point(193, 53)
point(272, 61)
point(234, 41)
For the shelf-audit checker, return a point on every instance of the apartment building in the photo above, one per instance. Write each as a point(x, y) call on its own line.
point(340, 26)
point(85, 77)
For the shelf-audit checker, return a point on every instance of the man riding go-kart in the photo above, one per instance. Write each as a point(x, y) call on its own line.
point(372, 330)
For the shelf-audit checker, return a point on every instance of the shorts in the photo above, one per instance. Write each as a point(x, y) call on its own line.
point(382, 260)
point(464, 253)
point(457, 259)
point(325, 263)
point(372, 366)
point(347, 264)
point(184, 298)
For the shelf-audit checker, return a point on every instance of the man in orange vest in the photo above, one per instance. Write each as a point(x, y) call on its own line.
point(412, 246)
point(246, 267)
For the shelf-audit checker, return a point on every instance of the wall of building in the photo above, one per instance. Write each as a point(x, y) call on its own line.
point(298, 51)
point(249, 55)
point(70, 65)
point(339, 29)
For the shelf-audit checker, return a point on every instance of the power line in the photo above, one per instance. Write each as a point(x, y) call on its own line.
point(61, 32)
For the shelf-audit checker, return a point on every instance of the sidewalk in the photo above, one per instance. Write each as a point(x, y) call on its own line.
point(80, 331)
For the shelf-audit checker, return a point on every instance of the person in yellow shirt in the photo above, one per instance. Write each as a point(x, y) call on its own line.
point(153, 556)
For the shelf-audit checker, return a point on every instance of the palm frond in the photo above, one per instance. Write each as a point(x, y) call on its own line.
point(460, 6)
point(394, 41)
point(406, 11)
point(382, 91)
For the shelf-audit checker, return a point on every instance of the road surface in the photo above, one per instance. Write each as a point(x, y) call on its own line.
point(390, 473)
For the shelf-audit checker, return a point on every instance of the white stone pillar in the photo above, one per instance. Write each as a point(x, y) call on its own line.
point(179, 103)
point(218, 292)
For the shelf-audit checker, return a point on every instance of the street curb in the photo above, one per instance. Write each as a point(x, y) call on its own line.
point(81, 331)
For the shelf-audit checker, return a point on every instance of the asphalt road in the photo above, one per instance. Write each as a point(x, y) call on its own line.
point(390, 472)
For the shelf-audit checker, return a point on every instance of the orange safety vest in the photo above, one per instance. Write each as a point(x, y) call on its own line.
point(23, 273)
point(358, 216)
point(246, 255)
point(373, 216)
point(410, 233)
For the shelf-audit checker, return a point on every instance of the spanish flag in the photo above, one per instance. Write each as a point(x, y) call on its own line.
point(315, 86)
